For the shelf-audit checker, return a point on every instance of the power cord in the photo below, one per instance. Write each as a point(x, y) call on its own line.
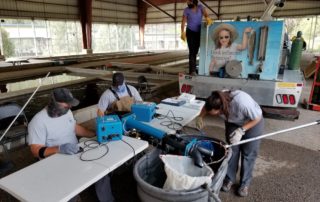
point(91, 145)
point(172, 120)
point(134, 151)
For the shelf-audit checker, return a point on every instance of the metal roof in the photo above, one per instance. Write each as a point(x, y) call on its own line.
point(127, 11)
point(229, 9)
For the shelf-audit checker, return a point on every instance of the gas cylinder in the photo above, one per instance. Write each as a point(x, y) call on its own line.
point(296, 52)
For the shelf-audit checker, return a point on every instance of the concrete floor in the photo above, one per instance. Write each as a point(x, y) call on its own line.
point(287, 168)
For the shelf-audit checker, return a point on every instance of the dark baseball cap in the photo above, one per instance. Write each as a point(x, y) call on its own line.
point(64, 95)
point(117, 79)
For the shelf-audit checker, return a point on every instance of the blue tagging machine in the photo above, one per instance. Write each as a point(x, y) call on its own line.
point(131, 122)
point(144, 111)
point(108, 128)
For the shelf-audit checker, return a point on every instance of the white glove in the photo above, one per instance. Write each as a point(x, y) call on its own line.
point(236, 135)
point(199, 123)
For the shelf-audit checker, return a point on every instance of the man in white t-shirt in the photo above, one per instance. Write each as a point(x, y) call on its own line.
point(54, 130)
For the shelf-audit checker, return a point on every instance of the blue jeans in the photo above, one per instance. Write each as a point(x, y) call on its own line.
point(247, 153)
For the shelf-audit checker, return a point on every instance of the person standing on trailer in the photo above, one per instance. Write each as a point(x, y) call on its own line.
point(118, 98)
point(192, 15)
point(243, 120)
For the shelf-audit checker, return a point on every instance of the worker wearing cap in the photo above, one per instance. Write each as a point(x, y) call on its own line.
point(119, 97)
point(54, 130)
point(243, 120)
point(192, 15)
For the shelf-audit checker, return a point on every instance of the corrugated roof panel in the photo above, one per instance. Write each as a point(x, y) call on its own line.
point(242, 9)
point(116, 11)
point(61, 9)
point(159, 14)
point(113, 14)
point(62, 2)
point(61, 16)
point(55, 9)
point(7, 5)
point(300, 12)
point(112, 6)
point(8, 13)
point(300, 5)
point(162, 20)
point(114, 20)
point(30, 6)
point(129, 2)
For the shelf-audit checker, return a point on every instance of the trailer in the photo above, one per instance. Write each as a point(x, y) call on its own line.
point(255, 62)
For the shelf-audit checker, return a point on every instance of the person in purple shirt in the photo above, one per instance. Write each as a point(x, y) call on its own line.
point(193, 16)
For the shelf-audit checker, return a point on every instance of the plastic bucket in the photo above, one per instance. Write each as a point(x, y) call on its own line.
point(150, 176)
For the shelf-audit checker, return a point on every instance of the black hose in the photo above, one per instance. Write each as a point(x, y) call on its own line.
point(197, 158)
point(174, 143)
point(205, 151)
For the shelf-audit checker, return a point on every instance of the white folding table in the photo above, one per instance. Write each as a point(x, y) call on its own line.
point(61, 177)
point(187, 112)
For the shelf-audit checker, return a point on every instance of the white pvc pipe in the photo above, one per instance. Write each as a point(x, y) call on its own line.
point(273, 133)
point(21, 110)
point(206, 53)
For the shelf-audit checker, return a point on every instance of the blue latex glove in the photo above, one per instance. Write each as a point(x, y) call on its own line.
point(236, 135)
point(69, 148)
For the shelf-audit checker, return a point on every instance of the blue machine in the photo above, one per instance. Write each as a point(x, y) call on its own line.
point(194, 149)
point(108, 128)
point(144, 111)
point(130, 122)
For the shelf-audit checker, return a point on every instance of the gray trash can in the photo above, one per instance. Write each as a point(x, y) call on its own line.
point(150, 176)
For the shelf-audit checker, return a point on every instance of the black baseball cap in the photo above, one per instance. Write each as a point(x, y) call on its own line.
point(64, 95)
point(117, 79)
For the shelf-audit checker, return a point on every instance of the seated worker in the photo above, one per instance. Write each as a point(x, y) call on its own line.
point(119, 97)
point(54, 130)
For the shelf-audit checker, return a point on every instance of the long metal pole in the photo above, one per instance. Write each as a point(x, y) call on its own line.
point(21, 110)
point(274, 133)
point(206, 53)
point(314, 32)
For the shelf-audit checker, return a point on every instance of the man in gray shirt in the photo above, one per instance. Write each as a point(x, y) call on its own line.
point(54, 130)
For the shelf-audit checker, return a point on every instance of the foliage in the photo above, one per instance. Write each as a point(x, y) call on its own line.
point(310, 30)
point(8, 46)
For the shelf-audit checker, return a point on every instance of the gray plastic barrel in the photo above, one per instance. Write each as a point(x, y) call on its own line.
point(150, 176)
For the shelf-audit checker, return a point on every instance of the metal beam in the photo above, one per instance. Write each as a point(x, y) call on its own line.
point(219, 7)
point(85, 11)
point(142, 16)
point(206, 5)
point(158, 8)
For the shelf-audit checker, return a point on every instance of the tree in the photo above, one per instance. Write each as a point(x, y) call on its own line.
point(8, 46)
